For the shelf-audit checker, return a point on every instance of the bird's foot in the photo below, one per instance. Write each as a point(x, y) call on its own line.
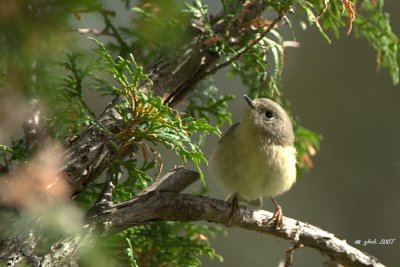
point(277, 218)
point(234, 209)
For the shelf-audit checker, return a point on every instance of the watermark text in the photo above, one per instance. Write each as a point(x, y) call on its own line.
point(375, 241)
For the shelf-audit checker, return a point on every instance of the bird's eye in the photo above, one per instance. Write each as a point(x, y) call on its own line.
point(269, 115)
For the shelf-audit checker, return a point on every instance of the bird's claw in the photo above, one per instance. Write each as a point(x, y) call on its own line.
point(277, 218)
point(234, 209)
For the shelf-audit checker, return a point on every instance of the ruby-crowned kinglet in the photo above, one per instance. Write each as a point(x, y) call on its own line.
point(256, 157)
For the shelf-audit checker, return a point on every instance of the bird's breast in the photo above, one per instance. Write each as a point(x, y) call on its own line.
point(253, 167)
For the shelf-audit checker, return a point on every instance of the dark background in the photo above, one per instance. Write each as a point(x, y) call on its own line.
point(353, 189)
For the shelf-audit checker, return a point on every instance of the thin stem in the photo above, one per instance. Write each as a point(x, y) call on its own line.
point(247, 48)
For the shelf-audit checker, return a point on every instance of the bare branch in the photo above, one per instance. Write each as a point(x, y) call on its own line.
point(176, 180)
point(162, 201)
point(171, 206)
point(290, 252)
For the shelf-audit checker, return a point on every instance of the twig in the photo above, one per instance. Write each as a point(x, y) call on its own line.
point(115, 32)
point(245, 50)
point(104, 201)
point(290, 252)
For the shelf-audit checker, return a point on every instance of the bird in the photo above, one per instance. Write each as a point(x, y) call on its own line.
point(256, 158)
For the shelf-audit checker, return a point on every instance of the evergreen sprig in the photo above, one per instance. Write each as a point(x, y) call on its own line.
point(145, 116)
point(370, 22)
point(167, 244)
point(71, 113)
point(375, 27)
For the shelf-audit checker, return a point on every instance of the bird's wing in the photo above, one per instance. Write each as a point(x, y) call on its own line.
point(230, 131)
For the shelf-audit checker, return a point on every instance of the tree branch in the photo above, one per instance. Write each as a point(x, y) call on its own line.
point(172, 206)
point(176, 180)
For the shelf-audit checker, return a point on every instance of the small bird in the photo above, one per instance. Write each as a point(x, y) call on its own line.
point(256, 157)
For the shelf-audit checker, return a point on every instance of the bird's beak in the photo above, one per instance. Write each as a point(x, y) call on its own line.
point(249, 101)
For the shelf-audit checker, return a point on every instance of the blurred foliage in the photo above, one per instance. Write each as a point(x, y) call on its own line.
point(45, 56)
point(158, 21)
point(166, 244)
point(16, 150)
